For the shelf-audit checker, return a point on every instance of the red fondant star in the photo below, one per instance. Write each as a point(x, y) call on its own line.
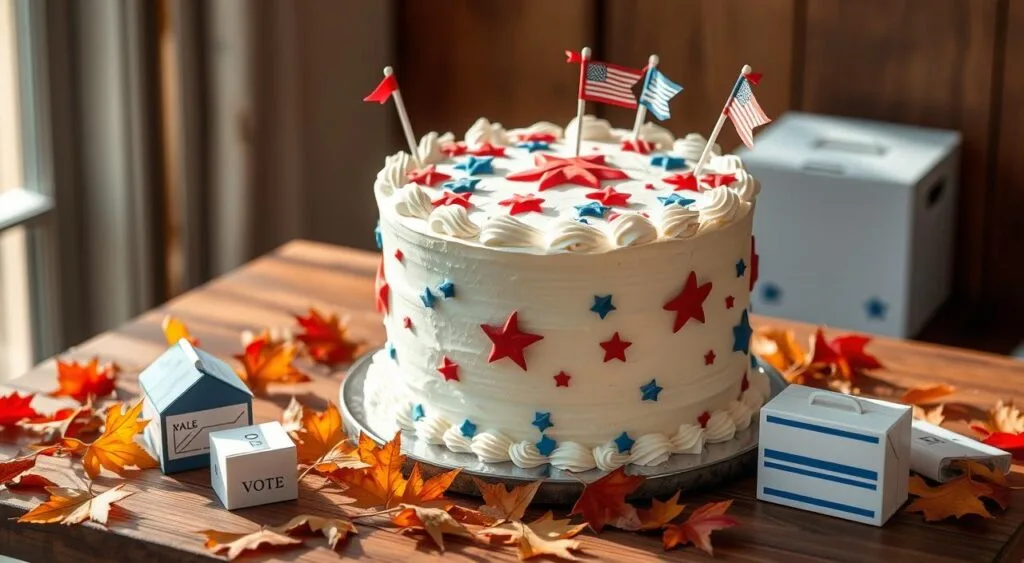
point(649, 187)
point(615, 348)
point(520, 203)
point(639, 145)
point(428, 176)
point(729, 301)
point(608, 196)
point(745, 384)
point(454, 149)
point(709, 358)
point(685, 182)
point(754, 263)
point(487, 149)
point(407, 323)
point(717, 180)
point(703, 419)
point(381, 289)
point(689, 304)
point(399, 255)
point(541, 137)
point(586, 171)
point(449, 369)
point(508, 341)
point(562, 379)
point(452, 198)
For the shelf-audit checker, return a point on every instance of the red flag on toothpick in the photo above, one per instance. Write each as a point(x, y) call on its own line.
point(388, 88)
point(383, 90)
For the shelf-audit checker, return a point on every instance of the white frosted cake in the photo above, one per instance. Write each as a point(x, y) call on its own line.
point(585, 313)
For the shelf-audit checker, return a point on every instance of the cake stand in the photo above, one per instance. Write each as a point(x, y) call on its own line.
point(716, 464)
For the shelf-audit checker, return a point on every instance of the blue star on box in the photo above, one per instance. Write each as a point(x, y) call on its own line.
point(592, 209)
point(417, 412)
point(668, 162)
point(771, 293)
point(427, 298)
point(876, 308)
point(542, 420)
point(741, 268)
point(534, 146)
point(675, 198)
point(650, 391)
point(624, 443)
point(468, 429)
point(546, 445)
point(476, 165)
point(378, 237)
point(741, 334)
point(602, 305)
point(462, 185)
point(391, 350)
point(447, 289)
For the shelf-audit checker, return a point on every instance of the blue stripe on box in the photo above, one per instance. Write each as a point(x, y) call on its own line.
point(820, 502)
point(822, 464)
point(822, 429)
point(825, 476)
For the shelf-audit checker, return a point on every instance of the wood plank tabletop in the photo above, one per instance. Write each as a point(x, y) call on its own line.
point(160, 520)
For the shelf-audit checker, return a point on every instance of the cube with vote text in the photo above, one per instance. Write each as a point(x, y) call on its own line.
point(253, 465)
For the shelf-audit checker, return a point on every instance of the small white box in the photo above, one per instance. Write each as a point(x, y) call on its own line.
point(253, 465)
point(834, 454)
point(934, 449)
point(855, 222)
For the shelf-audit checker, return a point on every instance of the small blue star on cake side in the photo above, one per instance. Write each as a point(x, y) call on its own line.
point(624, 443)
point(476, 165)
point(650, 390)
point(468, 429)
point(447, 289)
point(675, 198)
point(592, 209)
point(741, 268)
point(417, 412)
point(378, 237)
point(542, 420)
point(546, 445)
point(741, 334)
point(427, 298)
point(602, 305)
point(462, 185)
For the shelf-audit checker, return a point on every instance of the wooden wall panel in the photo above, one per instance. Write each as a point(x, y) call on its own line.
point(925, 62)
point(459, 60)
point(702, 45)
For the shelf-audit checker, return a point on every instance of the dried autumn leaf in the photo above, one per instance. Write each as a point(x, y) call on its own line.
point(504, 504)
point(778, 348)
point(13, 467)
point(604, 501)
point(547, 527)
point(926, 395)
point(66, 422)
point(29, 482)
point(175, 330)
point(850, 348)
point(660, 513)
point(380, 484)
point(533, 545)
point(698, 527)
point(436, 522)
point(116, 448)
point(74, 506)
point(1013, 443)
point(333, 529)
point(321, 441)
point(958, 497)
point(470, 516)
point(1003, 417)
point(235, 544)
point(326, 338)
point(264, 363)
point(931, 416)
point(14, 408)
point(291, 418)
point(421, 492)
point(84, 381)
point(980, 472)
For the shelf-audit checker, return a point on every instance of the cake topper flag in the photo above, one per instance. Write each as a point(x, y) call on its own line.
point(601, 82)
point(744, 111)
point(656, 93)
point(388, 88)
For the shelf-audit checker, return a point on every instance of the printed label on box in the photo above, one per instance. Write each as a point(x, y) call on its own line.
point(188, 434)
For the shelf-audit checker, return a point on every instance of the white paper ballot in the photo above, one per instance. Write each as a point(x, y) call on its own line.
point(933, 449)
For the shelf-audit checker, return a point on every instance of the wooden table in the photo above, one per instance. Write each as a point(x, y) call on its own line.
point(166, 510)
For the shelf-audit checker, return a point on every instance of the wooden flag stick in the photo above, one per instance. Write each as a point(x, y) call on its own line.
point(721, 121)
point(580, 103)
point(641, 109)
point(404, 118)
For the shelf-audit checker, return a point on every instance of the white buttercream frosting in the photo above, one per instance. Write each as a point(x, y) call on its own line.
point(720, 209)
point(656, 134)
point(412, 201)
point(689, 439)
point(526, 455)
point(431, 429)
point(679, 222)
point(507, 231)
point(491, 446)
point(483, 131)
point(632, 229)
point(403, 416)
point(572, 236)
point(594, 129)
point(430, 145)
point(541, 127)
point(720, 428)
point(452, 220)
point(572, 457)
point(690, 147)
point(608, 458)
point(392, 176)
point(740, 413)
point(456, 442)
point(650, 449)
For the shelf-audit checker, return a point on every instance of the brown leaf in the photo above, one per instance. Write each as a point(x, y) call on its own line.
point(29, 482)
point(470, 516)
point(13, 467)
point(698, 527)
point(509, 533)
point(235, 544)
point(264, 362)
point(321, 441)
point(74, 506)
point(116, 448)
point(604, 501)
point(958, 497)
point(333, 529)
point(660, 513)
point(504, 504)
point(533, 545)
point(436, 522)
point(926, 395)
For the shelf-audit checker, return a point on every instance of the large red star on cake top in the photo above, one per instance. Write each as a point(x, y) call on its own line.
point(520, 203)
point(615, 348)
point(586, 171)
point(487, 149)
point(452, 198)
point(428, 176)
point(381, 289)
point(689, 304)
point(609, 197)
point(508, 341)
point(636, 145)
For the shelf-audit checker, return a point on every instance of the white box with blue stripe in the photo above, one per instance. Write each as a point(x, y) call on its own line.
point(834, 454)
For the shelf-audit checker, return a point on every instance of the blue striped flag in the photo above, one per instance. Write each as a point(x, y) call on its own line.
point(658, 90)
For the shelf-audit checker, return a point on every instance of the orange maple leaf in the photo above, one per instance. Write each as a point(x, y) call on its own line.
point(778, 348)
point(174, 330)
point(958, 497)
point(74, 506)
point(423, 492)
point(321, 442)
point(326, 338)
point(604, 501)
point(660, 513)
point(115, 449)
point(265, 363)
point(83, 381)
point(14, 408)
point(698, 527)
point(235, 544)
point(926, 395)
point(436, 522)
point(504, 504)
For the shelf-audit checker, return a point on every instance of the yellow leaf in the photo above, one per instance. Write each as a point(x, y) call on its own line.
point(436, 522)
point(504, 504)
point(321, 441)
point(778, 347)
point(116, 448)
point(532, 545)
point(175, 330)
point(74, 506)
point(333, 529)
point(660, 513)
point(235, 544)
point(420, 492)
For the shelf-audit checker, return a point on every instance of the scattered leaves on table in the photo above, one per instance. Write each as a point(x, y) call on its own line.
point(13, 467)
point(321, 441)
point(1003, 417)
point(82, 381)
point(326, 338)
point(547, 527)
point(1012, 443)
point(436, 522)
point(334, 529)
point(830, 364)
point(961, 495)
point(660, 513)
point(533, 545)
point(604, 501)
point(291, 418)
point(264, 362)
point(28, 482)
point(698, 527)
point(933, 415)
point(70, 422)
point(504, 504)
point(74, 506)
point(115, 449)
point(14, 408)
point(235, 544)
point(174, 330)
point(926, 395)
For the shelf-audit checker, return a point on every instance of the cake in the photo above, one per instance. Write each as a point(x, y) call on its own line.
point(585, 312)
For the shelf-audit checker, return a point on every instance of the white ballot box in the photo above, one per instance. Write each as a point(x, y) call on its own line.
point(835, 454)
point(253, 465)
point(934, 449)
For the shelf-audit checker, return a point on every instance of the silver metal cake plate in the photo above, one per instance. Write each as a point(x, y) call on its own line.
point(718, 463)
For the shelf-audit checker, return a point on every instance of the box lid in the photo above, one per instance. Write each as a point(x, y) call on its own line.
point(179, 368)
point(250, 439)
point(871, 415)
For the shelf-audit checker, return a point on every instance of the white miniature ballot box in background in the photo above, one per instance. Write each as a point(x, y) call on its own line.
point(835, 454)
point(855, 222)
point(253, 465)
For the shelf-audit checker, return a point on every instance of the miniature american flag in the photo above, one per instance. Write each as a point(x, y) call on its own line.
point(744, 111)
point(610, 84)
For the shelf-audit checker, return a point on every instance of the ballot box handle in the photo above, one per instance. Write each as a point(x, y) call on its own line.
point(844, 402)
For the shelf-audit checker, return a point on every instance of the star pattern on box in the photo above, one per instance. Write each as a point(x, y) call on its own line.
point(487, 149)
point(741, 334)
point(592, 209)
point(636, 145)
point(427, 298)
point(668, 162)
point(562, 379)
point(447, 289)
point(454, 149)
point(509, 341)
point(546, 445)
point(709, 358)
point(534, 146)
point(468, 429)
point(462, 185)
point(381, 289)
point(609, 197)
point(615, 348)
point(624, 443)
point(587, 171)
point(542, 420)
point(452, 198)
point(522, 203)
point(602, 305)
point(417, 412)
point(876, 309)
point(448, 369)
point(741, 268)
point(650, 391)
point(771, 293)
point(689, 303)
point(671, 199)
point(474, 165)
point(428, 176)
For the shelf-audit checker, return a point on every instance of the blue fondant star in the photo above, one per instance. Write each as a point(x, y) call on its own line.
point(592, 209)
point(462, 185)
point(476, 165)
point(427, 298)
point(447, 289)
point(675, 198)
point(391, 350)
point(624, 443)
point(741, 334)
point(741, 268)
point(668, 162)
point(771, 293)
point(377, 236)
point(542, 420)
point(468, 429)
point(876, 308)
point(546, 445)
point(533, 146)
point(603, 305)
point(650, 391)
point(417, 412)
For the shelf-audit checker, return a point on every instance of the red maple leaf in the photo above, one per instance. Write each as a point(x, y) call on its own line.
point(604, 500)
point(326, 338)
point(586, 171)
point(851, 348)
point(15, 408)
point(82, 381)
point(1007, 441)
